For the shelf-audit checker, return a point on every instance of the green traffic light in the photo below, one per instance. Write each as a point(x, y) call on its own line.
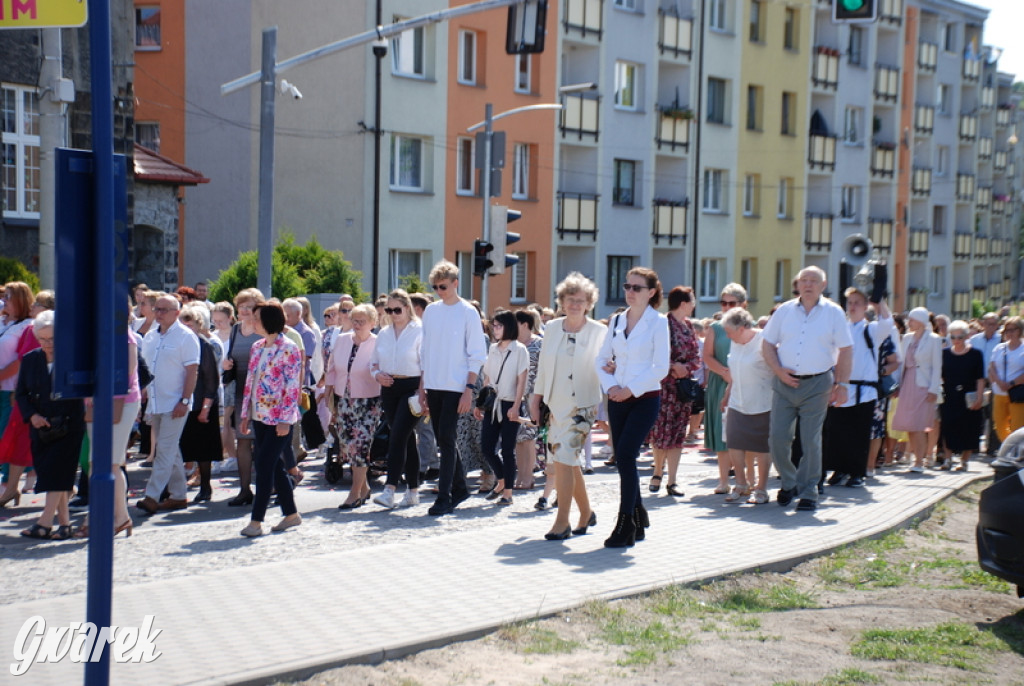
point(852, 5)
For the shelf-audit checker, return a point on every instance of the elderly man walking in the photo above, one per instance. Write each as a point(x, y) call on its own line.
point(172, 352)
point(807, 344)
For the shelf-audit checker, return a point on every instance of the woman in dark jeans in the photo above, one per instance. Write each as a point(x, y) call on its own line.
point(633, 360)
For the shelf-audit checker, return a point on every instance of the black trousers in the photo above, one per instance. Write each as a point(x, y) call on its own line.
point(846, 438)
point(403, 457)
point(444, 416)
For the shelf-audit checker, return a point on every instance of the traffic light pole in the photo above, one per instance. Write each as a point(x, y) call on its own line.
point(485, 184)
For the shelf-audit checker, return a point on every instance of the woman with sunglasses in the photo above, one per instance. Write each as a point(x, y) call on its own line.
point(395, 364)
point(634, 358)
point(963, 373)
point(1006, 370)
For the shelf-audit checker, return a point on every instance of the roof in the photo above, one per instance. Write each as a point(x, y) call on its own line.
point(154, 168)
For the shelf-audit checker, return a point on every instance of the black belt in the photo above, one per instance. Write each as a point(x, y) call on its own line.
point(801, 377)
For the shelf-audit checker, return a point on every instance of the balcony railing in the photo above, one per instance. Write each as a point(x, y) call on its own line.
point(676, 36)
point(883, 159)
point(583, 16)
point(984, 199)
point(917, 297)
point(968, 127)
point(826, 67)
point(670, 220)
point(577, 214)
point(891, 11)
point(981, 247)
point(972, 68)
point(962, 245)
point(921, 183)
point(980, 293)
point(818, 234)
point(1007, 285)
point(880, 233)
point(998, 206)
point(961, 304)
point(927, 56)
point(580, 115)
point(965, 187)
point(995, 290)
point(919, 242)
point(984, 148)
point(1002, 116)
point(924, 119)
point(988, 97)
point(1000, 160)
point(822, 153)
point(887, 83)
point(673, 132)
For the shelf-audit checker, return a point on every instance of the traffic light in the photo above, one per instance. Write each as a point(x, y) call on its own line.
point(501, 237)
point(854, 11)
point(526, 26)
point(481, 257)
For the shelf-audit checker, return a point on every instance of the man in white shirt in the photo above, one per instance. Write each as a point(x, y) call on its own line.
point(808, 346)
point(172, 352)
point(453, 351)
point(986, 342)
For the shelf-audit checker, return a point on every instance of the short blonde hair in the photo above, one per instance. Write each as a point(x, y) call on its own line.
point(366, 309)
point(443, 270)
point(574, 283)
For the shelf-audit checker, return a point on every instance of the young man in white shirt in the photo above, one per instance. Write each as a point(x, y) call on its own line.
point(453, 351)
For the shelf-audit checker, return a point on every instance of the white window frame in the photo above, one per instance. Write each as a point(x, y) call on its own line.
point(521, 171)
point(519, 279)
point(712, 277)
point(782, 206)
point(713, 200)
point(788, 114)
point(629, 5)
point(395, 179)
point(791, 30)
point(465, 177)
point(755, 107)
point(852, 126)
point(850, 204)
point(467, 74)
point(23, 143)
point(751, 195)
point(395, 257)
point(718, 100)
point(783, 287)
point(938, 278)
point(524, 77)
point(748, 277)
point(627, 83)
point(406, 48)
point(755, 29)
point(718, 19)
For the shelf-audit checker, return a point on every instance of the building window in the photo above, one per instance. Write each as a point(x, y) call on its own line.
point(848, 211)
point(942, 99)
point(407, 52)
point(404, 263)
point(406, 163)
point(783, 283)
point(949, 37)
point(785, 200)
point(938, 285)
point(717, 19)
point(855, 47)
point(756, 21)
point(519, 275)
point(618, 267)
point(789, 114)
point(755, 108)
point(791, 30)
point(712, 277)
point(942, 160)
point(625, 183)
point(626, 76)
point(716, 100)
point(851, 125)
point(147, 134)
point(147, 28)
point(748, 277)
point(20, 141)
point(626, 4)
point(714, 190)
point(465, 176)
point(524, 73)
point(751, 195)
point(521, 171)
point(467, 57)
point(938, 220)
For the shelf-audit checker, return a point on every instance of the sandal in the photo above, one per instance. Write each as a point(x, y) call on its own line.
point(720, 490)
point(37, 531)
point(737, 493)
point(62, 533)
point(758, 497)
point(655, 487)
point(672, 489)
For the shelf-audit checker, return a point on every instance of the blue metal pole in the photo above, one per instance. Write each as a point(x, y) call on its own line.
point(101, 482)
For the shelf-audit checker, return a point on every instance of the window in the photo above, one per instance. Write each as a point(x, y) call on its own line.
point(748, 277)
point(791, 30)
point(19, 174)
point(147, 28)
point(785, 201)
point(464, 175)
point(625, 86)
point(938, 280)
point(147, 134)
point(751, 195)
point(755, 107)
point(789, 114)
point(716, 100)
point(714, 190)
point(521, 171)
point(626, 4)
point(618, 267)
point(851, 125)
point(407, 52)
point(406, 163)
point(949, 37)
point(712, 277)
point(467, 57)
point(938, 220)
point(855, 47)
point(519, 275)
point(716, 18)
point(403, 263)
point(942, 160)
point(942, 99)
point(756, 21)
point(524, 73)
point(848, 210)
point(783, 283)
point(625, 179)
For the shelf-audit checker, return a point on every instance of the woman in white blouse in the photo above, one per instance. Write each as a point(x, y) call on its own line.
point(920, 385)
point(505, 370)
point(634, 358)
point(395, 364)
point(1006, 370)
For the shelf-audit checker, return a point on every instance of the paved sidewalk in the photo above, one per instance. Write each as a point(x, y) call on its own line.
point(293, 617)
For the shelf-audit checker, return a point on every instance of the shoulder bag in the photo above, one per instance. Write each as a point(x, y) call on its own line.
point(488, 395)
point(1016, 393)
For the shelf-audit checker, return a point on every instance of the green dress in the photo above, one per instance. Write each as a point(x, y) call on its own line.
point(713, 436)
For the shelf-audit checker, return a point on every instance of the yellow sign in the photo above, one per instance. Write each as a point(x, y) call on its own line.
point(33, 14)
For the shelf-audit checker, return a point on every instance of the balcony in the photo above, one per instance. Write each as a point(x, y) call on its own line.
point(962, 245)
point(921, 182)
point(890, 11)
point(822, 154)
point(825, 73)
point(919, 242)
point(880, 233)
point(927, 56)
point(673, 130)
point(577, 214)
point(1003, 115)
point(1000, 160)
point(999, 204)
point(887, 83)
point(984, 199)
point(988, 97)
point(580, 115)
point(676, 35)
point(965, 187)
point(917, 296)
point(670, 220)
point(924, 119)
point(980, 293)
point(883, 160)
point(984, 148)
point(980, 247)
point(968, 127)
point(972, 69)
point(818, 236)
point(961, 304)
point(583, 17)
point(995, 290)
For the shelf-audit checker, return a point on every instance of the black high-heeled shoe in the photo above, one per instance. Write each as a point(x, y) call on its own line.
point(559, 536)
point(581, 531)
point(241, 499)
point(358, 502)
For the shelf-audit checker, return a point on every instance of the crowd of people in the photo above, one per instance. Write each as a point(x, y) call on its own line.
point(417, 387)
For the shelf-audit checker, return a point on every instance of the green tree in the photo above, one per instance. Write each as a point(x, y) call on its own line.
point(14, 270)
point(412, 283)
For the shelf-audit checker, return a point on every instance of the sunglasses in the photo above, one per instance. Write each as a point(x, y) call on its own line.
point(633, 287)
point(392, 310)
point(344, 311)
point(728, 303)
point(440, 286)
point(958, 337)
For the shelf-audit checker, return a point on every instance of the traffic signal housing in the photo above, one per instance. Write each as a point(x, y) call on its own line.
point(481, 257)
point(526, 27)
point(501, 238)
point(854, 11)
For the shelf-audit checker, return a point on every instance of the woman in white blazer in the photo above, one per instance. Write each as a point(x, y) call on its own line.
point(567, 382)
point(920, 385)
point(634, 358)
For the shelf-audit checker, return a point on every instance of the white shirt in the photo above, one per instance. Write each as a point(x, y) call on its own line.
point(865, 360)
point(167, 355)
point(518, 362)
point(453, 345)
point(641, 358)
point(986, 345)
point(9, 337)
point(1013, 367)
point(751, 388)
point(808, 342)
point(399, 355)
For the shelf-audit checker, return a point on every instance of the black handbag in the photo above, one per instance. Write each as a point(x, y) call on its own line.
point(489, 394)
point(58, 429)
point(1015, 393)
point(688, 390)
point(312, 429)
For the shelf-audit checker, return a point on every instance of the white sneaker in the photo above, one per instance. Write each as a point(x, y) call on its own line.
point(228, 465)
point(386, 498)
point(411, 498)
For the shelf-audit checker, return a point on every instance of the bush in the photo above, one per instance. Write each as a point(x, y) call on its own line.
point(14, 270)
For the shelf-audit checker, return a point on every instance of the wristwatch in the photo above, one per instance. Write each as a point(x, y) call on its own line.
point(470, 387)
point(183, 401)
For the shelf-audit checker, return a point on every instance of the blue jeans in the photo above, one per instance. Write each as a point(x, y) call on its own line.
point(268, 459)
point(630, 422)
point(444, 415)
point(506, 430)
point(402, 453)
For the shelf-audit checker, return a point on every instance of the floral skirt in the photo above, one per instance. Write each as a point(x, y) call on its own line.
point(357, 423)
